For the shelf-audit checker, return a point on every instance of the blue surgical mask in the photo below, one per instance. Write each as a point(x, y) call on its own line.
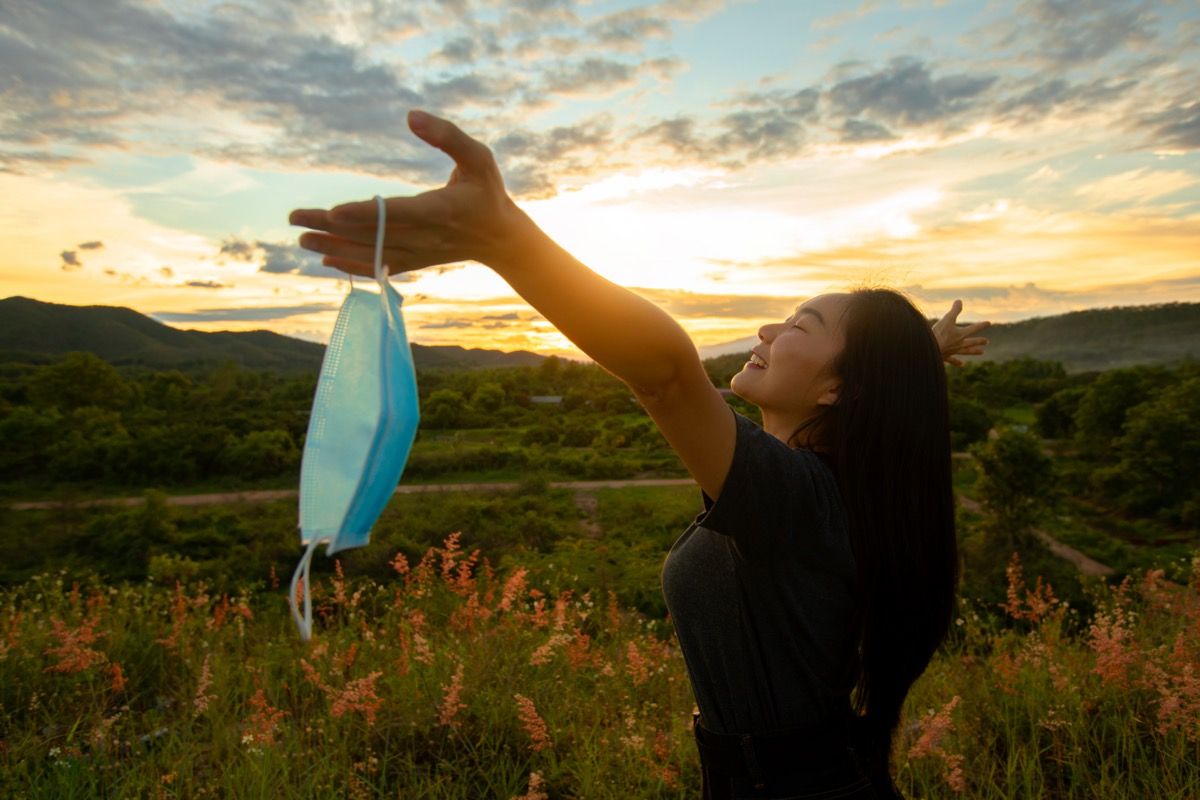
point(363, 423)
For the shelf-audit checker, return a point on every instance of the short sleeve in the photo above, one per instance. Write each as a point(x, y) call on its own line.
point(772, 494)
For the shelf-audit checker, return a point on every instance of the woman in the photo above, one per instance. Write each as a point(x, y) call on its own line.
point(824, 565)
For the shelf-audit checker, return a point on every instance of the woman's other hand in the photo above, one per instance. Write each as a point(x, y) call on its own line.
point(958, 340)
point(470, 218)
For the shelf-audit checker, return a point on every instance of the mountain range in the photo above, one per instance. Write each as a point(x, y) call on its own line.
point(31, 330)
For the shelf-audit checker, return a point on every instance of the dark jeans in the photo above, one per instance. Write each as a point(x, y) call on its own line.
point(817, 764)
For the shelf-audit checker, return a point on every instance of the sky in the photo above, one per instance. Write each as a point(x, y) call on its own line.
point(725, 159)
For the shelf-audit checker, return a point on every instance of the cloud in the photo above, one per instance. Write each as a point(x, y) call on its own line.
point(238, 249)
point(70, 262)
point(684, 304)
point(91, 245)
point(1178, 127)
point(1061, 34)
point(449, 323)
point(864, 9)
point(1138, 186)
point(261, 313)
point(286, 259)
point(906, 93)
point(166, 272)
point(592, 76)
point(531, 161)
point(206, 284)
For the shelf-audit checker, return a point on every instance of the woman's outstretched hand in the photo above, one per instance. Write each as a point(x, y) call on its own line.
point(958, 340)
point(470, 218)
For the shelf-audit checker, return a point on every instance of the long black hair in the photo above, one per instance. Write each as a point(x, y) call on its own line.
point(888, 438)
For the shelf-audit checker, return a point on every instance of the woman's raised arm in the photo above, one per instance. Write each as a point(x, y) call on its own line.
point(473, 218)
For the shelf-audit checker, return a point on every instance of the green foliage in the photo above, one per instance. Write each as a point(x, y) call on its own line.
point(79, 380)
point(1016, 480)
point(1102, 409)
point(969, 422)
point(1158, 452)
point(1056, 414)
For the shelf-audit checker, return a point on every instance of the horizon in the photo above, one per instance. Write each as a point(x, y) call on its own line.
point(725, 347)
point(1027, 159)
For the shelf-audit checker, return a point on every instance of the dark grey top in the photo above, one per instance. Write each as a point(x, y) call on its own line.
point(760, 590)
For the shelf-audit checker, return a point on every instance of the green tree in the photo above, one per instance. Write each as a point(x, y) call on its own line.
point(1159, 451)
point(488, 398)
point(1102, 409)
point(79, 380)
point(1016, 482)
point(969, 422)
point(261, 454)
point(1056, 414)
point(443, 409)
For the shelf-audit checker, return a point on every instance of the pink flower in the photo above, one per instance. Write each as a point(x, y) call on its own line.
point(535, 726)
point(358, 695)
point(451, 702)
point(72, 651)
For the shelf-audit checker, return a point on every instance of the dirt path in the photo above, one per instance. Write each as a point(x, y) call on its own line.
point(1086, 564)
point(285, 494)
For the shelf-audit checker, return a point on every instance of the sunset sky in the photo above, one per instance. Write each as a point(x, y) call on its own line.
point(723, 158)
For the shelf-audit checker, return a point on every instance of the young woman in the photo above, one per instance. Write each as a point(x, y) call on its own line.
point(824, 565)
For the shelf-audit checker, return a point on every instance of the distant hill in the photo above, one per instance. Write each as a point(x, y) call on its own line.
point(1103, 338)
point(31, 330)
point(1096, 339)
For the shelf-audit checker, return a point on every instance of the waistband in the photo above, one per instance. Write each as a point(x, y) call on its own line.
point(754, 756)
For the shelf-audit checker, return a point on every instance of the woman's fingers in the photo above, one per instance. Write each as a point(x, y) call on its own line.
point(414, 210)
point(469, 154)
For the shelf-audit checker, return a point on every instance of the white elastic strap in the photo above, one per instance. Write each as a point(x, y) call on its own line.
point(380, 272)
point(304, 623)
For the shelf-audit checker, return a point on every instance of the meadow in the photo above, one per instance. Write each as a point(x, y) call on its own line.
point(452, 679)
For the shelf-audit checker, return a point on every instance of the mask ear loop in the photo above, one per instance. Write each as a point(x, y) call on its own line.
point(304, 623)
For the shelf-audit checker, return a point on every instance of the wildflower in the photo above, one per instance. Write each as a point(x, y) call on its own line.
point(933, 728)
point(538, 617)
point(12, 637)
point(358, 695)
point(535, 726)
point(118, 678)
point(343, 661)
point(179, 609)
point(514, 587)
point(1110, 637)
point(614, 614)
point(203, 698)
point(450, 549)
point(261, 725)
point(339, 583)
point(639, 666)
point(1036, 605)
point(400, 564)
point(535, 790)
point(560, 610)
point(73, 653)
point(578, 652)
point(543, 654)
point(451, 702)
point(274, 578)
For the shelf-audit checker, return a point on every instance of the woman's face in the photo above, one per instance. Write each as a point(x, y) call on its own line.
point(796, 381)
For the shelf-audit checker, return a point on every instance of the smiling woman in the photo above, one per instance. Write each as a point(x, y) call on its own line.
point(814, 587)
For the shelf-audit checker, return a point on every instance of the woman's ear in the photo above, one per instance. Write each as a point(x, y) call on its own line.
point(830, 396)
